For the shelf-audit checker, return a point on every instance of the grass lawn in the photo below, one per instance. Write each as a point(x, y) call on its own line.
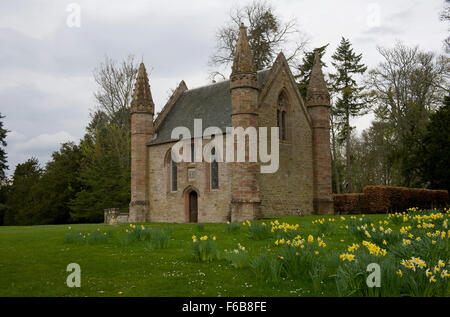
point(33, 259)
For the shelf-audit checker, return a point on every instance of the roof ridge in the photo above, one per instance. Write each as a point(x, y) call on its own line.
point(225, 80)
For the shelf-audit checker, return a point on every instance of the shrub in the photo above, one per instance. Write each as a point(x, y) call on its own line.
point(349, 203)
point(381, 199)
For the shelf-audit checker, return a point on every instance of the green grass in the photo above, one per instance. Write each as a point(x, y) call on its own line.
point(33, 261)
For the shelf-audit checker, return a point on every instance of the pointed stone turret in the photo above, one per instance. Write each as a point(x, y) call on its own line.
point(243, 59)
point(142, 97)
point(142, 110)
point(245, 197)
point(318, 104)
point(317, 85)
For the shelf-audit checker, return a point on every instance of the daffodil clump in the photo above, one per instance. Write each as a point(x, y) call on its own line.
point(204, 248)
point(284, 230)
point(323, 225)
point(237, 257)
point(374, 249)
point(94, 237)
point(155, 237)
point(257, 230)
point(418, 269)
point(347, 257)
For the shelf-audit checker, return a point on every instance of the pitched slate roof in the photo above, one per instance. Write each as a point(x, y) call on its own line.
point(210, 103)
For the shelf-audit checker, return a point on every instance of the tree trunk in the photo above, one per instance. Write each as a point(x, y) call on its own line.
point(348, 161)
point(334, 161)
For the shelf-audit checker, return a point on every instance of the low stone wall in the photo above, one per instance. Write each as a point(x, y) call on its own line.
point(113, 216)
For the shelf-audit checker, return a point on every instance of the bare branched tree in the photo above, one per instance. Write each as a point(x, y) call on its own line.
point(445, 16)
point(408, 87)
point(110, 123)
point(115, 88)
point(267, 33)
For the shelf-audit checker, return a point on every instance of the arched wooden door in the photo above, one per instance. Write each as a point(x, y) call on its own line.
point(193, 206)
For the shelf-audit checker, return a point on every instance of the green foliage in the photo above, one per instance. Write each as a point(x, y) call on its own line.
point(258, 231)
point(232, 227)
point(350, 97)
point(23, 197)
point(266, 268)
point(407, 87)
point(58, 185)
point(298, 262)
point(159, 237)
point(156, 238)
point(81, 180)
point(3, 157)
point(105, 172)
point(94, 237)
point(433, 159)
point(273, 270)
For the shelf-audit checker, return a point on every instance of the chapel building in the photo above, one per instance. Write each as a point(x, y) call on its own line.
point(165, 191)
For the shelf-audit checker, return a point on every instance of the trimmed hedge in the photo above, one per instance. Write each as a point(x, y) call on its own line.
point(382, 199)
point(349, 203)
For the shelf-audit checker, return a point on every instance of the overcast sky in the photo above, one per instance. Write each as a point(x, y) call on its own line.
point(46, 63)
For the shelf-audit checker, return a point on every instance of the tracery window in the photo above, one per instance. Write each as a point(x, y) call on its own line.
point(282, 108)
point(214, 170)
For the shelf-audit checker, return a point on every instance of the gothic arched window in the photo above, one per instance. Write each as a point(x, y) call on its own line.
point(282, 109)
point(214, 170)
point(174, 176)
point(171, 172)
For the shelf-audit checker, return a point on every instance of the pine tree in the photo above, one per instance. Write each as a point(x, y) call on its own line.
point(350, 97)
point(3, 156)
point(23, 198)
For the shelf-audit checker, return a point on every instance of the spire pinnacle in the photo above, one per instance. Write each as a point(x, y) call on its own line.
point(142, 97)
point(243, 59)
point(317, 84)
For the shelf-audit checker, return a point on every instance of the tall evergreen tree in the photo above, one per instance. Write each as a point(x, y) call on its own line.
point(3, 156)
point(350, 101)
point(105, 183)
point(433, 158)
point(22, 199)
point(58, 185)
